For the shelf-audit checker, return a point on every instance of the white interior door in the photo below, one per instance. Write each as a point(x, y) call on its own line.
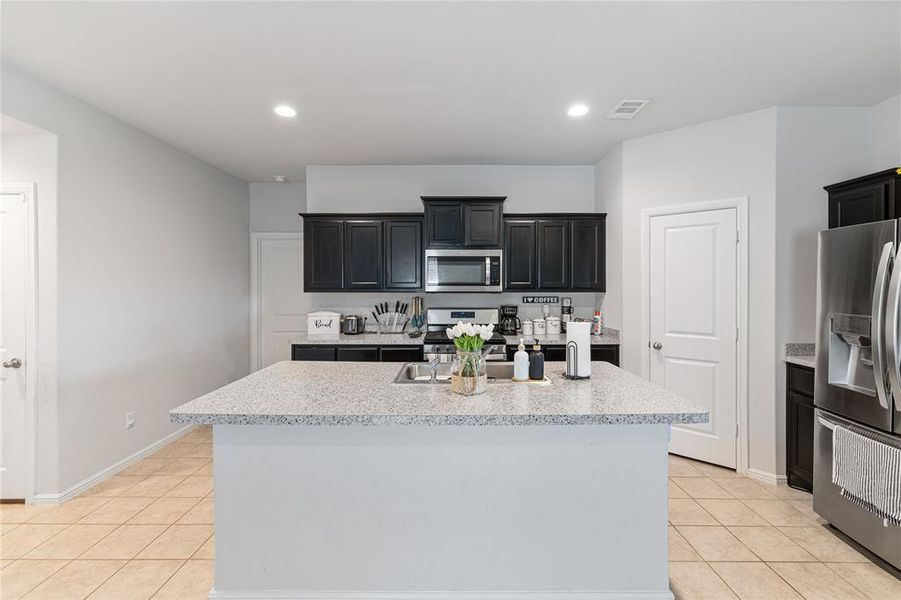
point(693, 324)
point(13, 257)
point(283, 305)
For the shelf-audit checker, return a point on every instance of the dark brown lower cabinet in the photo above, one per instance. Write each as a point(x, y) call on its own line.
point(799, 420)
point(316, 352)
point(557, 352)
point(356, 353)
point(400, 353)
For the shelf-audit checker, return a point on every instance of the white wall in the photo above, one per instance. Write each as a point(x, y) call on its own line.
point(32, 158)
point(885, 135)
point(609, 199)
point(274, 206)
point(153, 281)
point(815, 146)
point(720, 159)
point(398, 188)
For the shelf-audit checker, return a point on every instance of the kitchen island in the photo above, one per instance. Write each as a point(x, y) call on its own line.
point(332, 482)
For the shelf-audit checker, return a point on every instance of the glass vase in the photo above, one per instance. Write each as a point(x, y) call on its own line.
point(469, 376)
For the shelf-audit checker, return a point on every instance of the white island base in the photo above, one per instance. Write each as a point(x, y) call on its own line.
point(549, 512)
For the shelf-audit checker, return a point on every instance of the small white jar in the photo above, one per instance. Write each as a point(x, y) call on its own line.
point(540, 326)
point(527, 328)
point(553, 325)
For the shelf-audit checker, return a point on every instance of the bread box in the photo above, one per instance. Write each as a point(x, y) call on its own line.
point(323, 322)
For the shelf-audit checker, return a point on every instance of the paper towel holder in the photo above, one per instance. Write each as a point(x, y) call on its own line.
point(572, 362)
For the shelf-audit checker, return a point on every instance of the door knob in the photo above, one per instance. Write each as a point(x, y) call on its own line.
point(13, 363)
point(657, 346)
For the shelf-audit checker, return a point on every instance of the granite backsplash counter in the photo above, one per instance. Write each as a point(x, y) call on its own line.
point(372, 338)
point(800, 354)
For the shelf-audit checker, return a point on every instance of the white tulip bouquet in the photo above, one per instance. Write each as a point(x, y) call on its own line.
point(468, 337)
point(469, 375)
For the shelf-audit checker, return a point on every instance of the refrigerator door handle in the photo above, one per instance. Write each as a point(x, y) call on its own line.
point(879, 326)
point(891, 334)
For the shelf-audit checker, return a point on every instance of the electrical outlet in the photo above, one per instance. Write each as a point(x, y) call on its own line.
point(129, 420)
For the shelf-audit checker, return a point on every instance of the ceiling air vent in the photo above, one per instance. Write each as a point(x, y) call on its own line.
point(627, 109)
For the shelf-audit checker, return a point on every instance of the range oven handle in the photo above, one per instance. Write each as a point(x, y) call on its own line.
point(879, 326)
point(893, 304)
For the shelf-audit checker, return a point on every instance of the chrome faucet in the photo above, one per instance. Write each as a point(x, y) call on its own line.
point(433, 369)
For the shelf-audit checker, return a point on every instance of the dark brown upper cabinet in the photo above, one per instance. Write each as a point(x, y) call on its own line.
point(482, 223)
point(323, 255)
point(363, 255)
point(553, 254)
point(362, 252)
point(588, 252)
point(865, 199)
point(463, 222)
point(444, 224)
point(520, 254)
point(403, 254)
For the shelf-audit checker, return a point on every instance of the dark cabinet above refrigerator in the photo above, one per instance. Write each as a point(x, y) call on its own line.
point(874, 197)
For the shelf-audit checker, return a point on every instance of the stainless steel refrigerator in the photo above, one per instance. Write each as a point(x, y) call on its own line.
point(858, 365)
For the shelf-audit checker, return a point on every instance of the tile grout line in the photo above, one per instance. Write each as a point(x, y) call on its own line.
point(35, 586)
point(707, 563)
point(174, 573)
point(849, 582)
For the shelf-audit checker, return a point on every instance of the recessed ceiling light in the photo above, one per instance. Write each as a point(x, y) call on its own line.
point(280, 179)
point(577, 110)
point(283, 110)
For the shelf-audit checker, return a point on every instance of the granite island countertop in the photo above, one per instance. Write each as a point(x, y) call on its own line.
point(363, 393)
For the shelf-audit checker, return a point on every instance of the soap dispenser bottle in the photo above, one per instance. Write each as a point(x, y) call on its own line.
point(536, 363)
point(521, 363)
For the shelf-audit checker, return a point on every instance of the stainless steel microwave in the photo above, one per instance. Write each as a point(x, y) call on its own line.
point(454, 270)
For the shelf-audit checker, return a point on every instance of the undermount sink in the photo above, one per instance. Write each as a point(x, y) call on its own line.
point(421, 372)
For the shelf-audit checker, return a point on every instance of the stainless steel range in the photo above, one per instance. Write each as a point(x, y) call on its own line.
point(438, 345)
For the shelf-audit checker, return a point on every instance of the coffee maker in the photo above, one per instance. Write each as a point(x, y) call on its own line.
point(509, 323)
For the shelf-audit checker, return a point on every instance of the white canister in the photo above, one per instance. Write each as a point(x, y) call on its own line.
point(527, 328)
point(540, 326)
point(553, 325)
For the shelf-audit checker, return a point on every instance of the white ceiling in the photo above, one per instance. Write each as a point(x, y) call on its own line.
point(442, 83)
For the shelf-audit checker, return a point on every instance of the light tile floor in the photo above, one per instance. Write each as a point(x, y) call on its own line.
point(148, 533)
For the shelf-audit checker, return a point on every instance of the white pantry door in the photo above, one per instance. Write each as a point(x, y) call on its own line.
point(13, 257)
point(693, 324)
point(282, 303)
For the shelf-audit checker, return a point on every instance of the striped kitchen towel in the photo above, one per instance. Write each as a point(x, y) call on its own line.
point(868, 473)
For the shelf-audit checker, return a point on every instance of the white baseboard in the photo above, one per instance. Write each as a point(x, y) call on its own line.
point(765, 477)
point(110, 470)
point(360, 595)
